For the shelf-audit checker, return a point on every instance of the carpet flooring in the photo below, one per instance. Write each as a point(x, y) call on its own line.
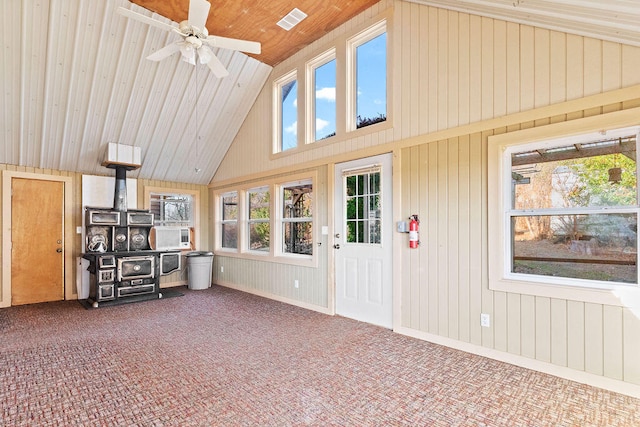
point(219, 357)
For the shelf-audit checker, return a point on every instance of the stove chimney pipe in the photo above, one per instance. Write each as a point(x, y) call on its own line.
point(120, 191)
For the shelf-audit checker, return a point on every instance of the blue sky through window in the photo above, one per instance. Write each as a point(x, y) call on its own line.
point(325, 100)
point(371, 96)
point(371, 78)
point(289, 96)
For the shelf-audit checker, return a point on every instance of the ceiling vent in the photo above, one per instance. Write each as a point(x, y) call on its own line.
point(292, 19)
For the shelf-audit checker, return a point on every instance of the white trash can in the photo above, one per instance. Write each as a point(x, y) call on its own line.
point(199, 265)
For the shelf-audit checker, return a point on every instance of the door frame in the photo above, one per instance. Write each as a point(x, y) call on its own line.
point(394, 200)
point(67, 221)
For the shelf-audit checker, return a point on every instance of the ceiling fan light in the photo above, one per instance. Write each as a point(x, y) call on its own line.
point(204, 54)
point(188, 53)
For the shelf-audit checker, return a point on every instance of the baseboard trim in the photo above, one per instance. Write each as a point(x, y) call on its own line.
point(173, 284)
point(313, 307)
point(582, 377)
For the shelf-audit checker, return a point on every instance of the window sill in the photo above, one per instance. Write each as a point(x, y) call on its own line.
point(583, 291)
point(338, 138)
point(300, 260)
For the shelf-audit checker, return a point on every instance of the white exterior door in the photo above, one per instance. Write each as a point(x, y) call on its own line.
point(363, 240)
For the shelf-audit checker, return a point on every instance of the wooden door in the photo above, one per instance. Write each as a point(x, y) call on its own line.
point(363, 249)
point(37, 261)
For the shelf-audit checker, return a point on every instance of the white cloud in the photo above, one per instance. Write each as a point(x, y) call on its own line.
point(327, 93)
point(295, 103)
point(321, 124)
point(292, 129)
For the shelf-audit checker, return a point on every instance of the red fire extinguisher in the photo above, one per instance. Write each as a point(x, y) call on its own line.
point(414, 238)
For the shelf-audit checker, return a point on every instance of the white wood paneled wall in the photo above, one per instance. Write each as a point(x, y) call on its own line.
point(449, 69)
point(456, 74)
point(74, 77)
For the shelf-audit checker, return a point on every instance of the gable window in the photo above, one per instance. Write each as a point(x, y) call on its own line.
point(297, 218)
point(258, 219)
point(368, 65)
point(229, 222)
point(172, 209)
point(322, 74)
point(570, 210)
point(286, 113)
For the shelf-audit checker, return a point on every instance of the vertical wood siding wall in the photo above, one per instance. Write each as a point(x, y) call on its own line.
point(277, 279)
point(454, 72)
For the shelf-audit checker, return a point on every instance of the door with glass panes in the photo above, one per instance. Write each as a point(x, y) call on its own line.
point(362, 240)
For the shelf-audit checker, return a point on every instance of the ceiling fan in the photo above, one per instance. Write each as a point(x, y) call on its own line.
point(195, 38)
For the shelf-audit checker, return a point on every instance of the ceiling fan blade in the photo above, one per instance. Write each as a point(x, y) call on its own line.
point(198, 13)
point(234, 44)
point(166, 51)
point(144, 19)
point(216, 67)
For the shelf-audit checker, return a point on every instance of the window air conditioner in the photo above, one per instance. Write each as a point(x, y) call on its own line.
point(171, 238)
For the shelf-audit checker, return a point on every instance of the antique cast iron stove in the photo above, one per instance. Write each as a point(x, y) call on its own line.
point(122, 265)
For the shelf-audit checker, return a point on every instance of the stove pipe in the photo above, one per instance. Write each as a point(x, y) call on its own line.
point(120, 192)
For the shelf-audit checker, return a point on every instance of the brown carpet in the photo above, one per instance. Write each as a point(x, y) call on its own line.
point(219, 357)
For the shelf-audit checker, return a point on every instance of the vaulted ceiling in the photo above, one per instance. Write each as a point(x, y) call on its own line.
point(74, 74)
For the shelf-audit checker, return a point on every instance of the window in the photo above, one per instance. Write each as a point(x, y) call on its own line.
point(322, 75)
point(297, 218)
point(363, 214)
point(258, 219)
point(368, 53)
point(229, 214)
point(344, 89)
point(570, 210)
point(172, 209)
point(286, 117)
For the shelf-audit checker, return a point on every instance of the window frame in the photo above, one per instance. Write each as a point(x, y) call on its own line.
point(166, 223)
point(195, 209)
point(353, 43)
point(278, 130)
point(281, 220)
point(249, 221)
point(230, 221)
point(275, 254)
point(501, 278)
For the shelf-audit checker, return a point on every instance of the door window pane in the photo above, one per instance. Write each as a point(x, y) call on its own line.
point(363, 208)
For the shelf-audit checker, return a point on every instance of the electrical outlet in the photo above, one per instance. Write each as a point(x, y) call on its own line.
point(296, 284)
point(485, 320)
point(221, 269)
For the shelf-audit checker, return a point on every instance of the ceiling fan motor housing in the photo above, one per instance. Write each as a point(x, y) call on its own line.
point(187, 30)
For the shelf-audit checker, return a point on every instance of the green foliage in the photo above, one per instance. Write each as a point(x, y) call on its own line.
point(593, 186)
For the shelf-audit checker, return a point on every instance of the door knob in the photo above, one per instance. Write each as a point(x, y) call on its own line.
point(336, 246)
point(59, 250)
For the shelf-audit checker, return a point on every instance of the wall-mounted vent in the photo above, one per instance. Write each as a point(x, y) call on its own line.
point(292, 19)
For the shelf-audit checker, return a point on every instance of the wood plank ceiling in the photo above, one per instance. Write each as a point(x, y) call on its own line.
point(74, 76)
point(257, 20)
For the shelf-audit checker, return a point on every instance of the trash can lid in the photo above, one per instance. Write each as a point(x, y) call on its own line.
point(199, 253)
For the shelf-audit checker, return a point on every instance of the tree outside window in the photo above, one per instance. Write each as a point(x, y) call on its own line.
point(229, 226)
point(297, 218)
point(574, 210)
point(258, 219)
